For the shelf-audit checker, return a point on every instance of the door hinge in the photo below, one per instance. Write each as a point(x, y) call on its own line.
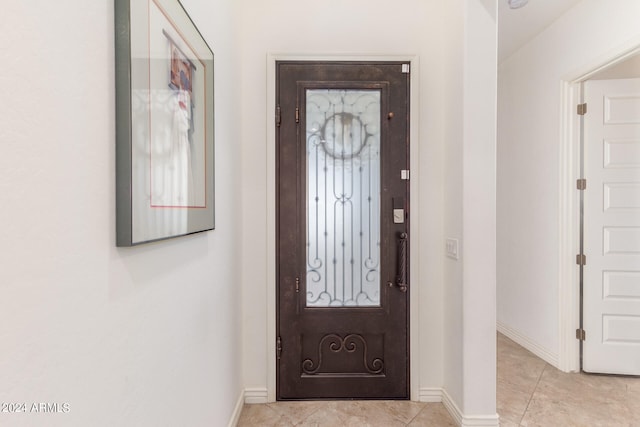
point(297, 115)
point(404, 174)
point(278, 116)
point(581, 259)
point(582, 109)
point(297, 285)
point(581, 334)
point(406, 68)
point(581, 184)
point(278, 348)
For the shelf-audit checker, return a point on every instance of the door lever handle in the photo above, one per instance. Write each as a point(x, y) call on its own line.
point(401, 277)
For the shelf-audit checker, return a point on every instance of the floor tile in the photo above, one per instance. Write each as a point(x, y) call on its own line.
point(577, 399)
point(433, 415)
point(530, 393)
point(511, 402)
point(326, 416)
point(632, 384)
point(517, 366)
point(263, 416)
point(543, 411)
point(296, 412)
point(401, 410)
point(365, 413)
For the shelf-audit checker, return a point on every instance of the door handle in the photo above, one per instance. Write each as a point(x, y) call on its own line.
point(401, 277)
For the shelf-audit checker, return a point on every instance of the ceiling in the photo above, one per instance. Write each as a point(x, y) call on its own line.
point(517, 26)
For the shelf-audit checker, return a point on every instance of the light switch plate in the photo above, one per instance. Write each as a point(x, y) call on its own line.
point(452, 248)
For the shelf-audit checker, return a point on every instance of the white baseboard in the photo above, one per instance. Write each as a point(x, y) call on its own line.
point(535, 348)
point(481, 421)
point(255, 395)
point(435, 395)
point(452, 408)
point(249, 396)
point(235, 415)
point(430, 395)
point(468, 420)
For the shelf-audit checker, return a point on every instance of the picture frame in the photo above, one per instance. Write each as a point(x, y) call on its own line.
point(164, 123)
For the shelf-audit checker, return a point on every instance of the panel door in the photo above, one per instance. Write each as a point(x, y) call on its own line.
point(342, 230)
point(612, 227)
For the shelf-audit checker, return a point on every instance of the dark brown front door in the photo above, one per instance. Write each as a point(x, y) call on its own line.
point(342, 230)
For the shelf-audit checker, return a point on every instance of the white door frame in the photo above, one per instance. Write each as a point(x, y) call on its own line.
point(569, 202)
point(414, 308)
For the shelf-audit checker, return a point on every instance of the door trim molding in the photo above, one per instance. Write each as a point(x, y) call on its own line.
point(569, 202)
point(568, 359)
point(414, 318)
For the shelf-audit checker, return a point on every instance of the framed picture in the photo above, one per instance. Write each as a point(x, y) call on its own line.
point(164, 123)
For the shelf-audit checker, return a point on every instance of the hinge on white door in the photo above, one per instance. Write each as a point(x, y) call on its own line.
point(404, 174)
point(278, 347)
point(278, 116)
point(582, 109)
point(581, 259)
point(406, 68)
point(581, 334)
point(581, 184)
point(297, 115)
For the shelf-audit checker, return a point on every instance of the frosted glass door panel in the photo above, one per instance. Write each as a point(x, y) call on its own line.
point(343, 197)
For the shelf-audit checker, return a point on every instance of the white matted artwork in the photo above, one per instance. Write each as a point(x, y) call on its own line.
point(164, 118)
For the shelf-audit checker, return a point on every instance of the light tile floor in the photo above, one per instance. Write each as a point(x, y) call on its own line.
point(533, 393)
point(530, 393)
point(346, 413)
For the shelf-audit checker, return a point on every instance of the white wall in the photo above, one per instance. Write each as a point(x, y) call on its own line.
point(362, 27)
point(529, 169)
point(142, 336)
point(453, 105)
point(152, 335)
point(469, 206)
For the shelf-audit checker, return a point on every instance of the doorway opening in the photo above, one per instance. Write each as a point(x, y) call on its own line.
point(622, 64)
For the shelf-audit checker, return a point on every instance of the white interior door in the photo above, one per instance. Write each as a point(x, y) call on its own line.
point(611, 276)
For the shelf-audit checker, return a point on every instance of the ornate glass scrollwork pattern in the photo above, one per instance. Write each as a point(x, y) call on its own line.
point(336, 344)
point(343, 197)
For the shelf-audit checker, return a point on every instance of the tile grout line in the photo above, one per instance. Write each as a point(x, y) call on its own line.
point(419, 412)
point(308, 416)
point(532, 393)
point(292, 422)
